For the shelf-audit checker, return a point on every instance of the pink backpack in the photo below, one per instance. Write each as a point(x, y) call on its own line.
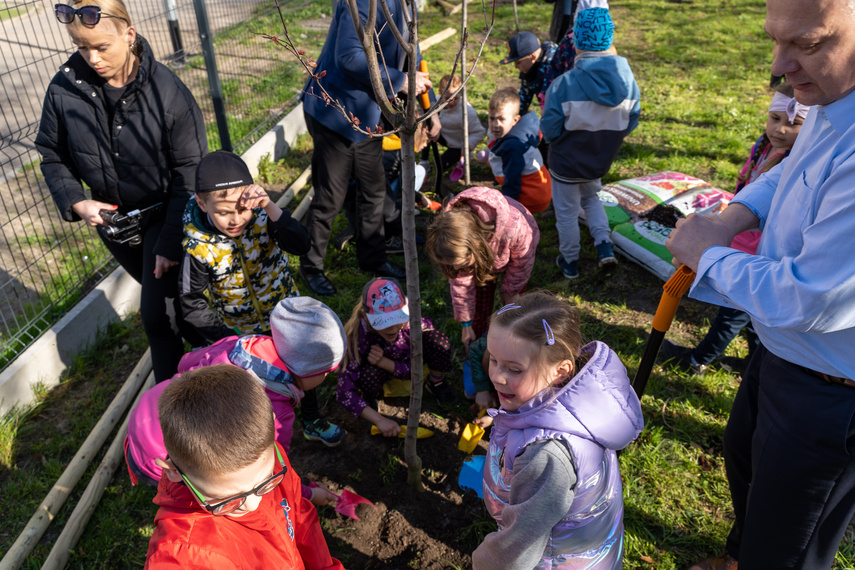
point(256, 353)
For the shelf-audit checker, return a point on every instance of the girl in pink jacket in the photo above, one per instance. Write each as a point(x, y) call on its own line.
point(478, 235)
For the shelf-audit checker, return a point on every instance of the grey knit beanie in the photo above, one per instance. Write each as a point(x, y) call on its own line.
point(308, 336)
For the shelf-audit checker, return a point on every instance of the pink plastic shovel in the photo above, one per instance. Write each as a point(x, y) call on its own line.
point(347, 502)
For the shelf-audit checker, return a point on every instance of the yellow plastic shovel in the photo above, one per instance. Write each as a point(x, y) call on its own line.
point(471, 435)
point(424, 433)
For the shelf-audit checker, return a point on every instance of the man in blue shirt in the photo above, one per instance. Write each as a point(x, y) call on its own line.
point(790, 439)
point(340, 152)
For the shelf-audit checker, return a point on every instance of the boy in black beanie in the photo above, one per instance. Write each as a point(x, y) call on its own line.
point(235, 244)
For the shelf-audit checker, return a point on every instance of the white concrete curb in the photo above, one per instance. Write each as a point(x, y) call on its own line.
point(277, 141)
point(115, 297)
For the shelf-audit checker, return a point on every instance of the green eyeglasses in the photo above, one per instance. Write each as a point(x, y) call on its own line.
point(233, 503)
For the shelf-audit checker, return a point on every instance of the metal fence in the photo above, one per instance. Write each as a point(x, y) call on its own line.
point(46, 265)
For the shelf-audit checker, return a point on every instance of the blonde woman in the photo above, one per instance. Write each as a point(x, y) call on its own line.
point(124, 124)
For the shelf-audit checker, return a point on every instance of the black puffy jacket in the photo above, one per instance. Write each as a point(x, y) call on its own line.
point(148, 155)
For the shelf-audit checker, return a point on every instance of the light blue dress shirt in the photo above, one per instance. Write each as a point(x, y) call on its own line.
point(800, 287)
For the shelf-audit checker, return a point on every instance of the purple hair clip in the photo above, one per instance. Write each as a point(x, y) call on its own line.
point(550, 336)
point(508, 307)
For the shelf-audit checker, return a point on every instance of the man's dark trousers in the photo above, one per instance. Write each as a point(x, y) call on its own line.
point(789, 450)
point(334, 160)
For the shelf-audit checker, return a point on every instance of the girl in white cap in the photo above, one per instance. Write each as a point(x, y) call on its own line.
point(378, 349)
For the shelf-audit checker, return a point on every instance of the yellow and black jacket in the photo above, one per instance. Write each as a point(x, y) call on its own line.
point(245, 277)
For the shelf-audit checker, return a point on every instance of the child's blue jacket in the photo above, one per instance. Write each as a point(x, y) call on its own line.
point(588, 112)
point(516, 154)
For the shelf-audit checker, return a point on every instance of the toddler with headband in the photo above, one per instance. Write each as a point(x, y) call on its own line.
point(783, 122)
point(552, 479)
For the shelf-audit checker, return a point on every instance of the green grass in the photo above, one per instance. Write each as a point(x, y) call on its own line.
point(7, 13)
point(257, 98)
point(36, 444)
point(71, 270)
point(703, 71)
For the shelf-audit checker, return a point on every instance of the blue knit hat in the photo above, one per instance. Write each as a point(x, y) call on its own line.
point(594, 30)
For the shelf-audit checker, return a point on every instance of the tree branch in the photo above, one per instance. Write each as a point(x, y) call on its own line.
point(406, 46)
point(386, 106)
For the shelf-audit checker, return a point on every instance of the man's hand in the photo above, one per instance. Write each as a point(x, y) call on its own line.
point(693, 235)
point(422, 84)
point(90, 211)
point(162, 265)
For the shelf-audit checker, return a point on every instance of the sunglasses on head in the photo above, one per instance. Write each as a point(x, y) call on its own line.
point(89, 15)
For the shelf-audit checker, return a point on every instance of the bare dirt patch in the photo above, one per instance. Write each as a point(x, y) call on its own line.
point(433, 529)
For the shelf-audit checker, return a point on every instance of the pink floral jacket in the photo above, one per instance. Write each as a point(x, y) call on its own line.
point(513, 244)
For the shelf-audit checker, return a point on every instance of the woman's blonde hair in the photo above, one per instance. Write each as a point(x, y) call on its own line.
point(456, 234)
point(549, 323)
point(114, 10)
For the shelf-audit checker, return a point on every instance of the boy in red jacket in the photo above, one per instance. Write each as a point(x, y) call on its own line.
point(228, 496)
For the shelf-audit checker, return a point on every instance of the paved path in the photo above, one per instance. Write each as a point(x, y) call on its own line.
point(34, 45)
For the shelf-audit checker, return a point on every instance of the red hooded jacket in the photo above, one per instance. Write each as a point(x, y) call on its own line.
point(187, 536)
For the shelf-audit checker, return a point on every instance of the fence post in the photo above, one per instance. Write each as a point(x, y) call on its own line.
point(213, 76)
point(174, 31)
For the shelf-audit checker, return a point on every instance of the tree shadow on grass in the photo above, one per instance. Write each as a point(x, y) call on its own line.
point(686, 545)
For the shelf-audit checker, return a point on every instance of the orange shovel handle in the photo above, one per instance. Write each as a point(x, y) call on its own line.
point(672, 292)
point(424, 97)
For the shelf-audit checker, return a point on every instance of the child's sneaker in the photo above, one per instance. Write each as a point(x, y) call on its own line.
point(324, 431)
point(441, 391)
point(606, 254)
point(394, 245)
point(569, 268)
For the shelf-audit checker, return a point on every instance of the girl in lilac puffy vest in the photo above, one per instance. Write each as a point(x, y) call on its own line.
point(552, 480)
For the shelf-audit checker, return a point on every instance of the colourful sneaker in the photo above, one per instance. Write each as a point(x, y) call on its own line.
point(570, 269)
point(441, 391)
point(606, 254)
point(324, 431)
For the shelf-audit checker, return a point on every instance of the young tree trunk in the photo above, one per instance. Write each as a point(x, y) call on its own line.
point(408, 219)
point(405, 123)
point(411, 264)
point(464, 103)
